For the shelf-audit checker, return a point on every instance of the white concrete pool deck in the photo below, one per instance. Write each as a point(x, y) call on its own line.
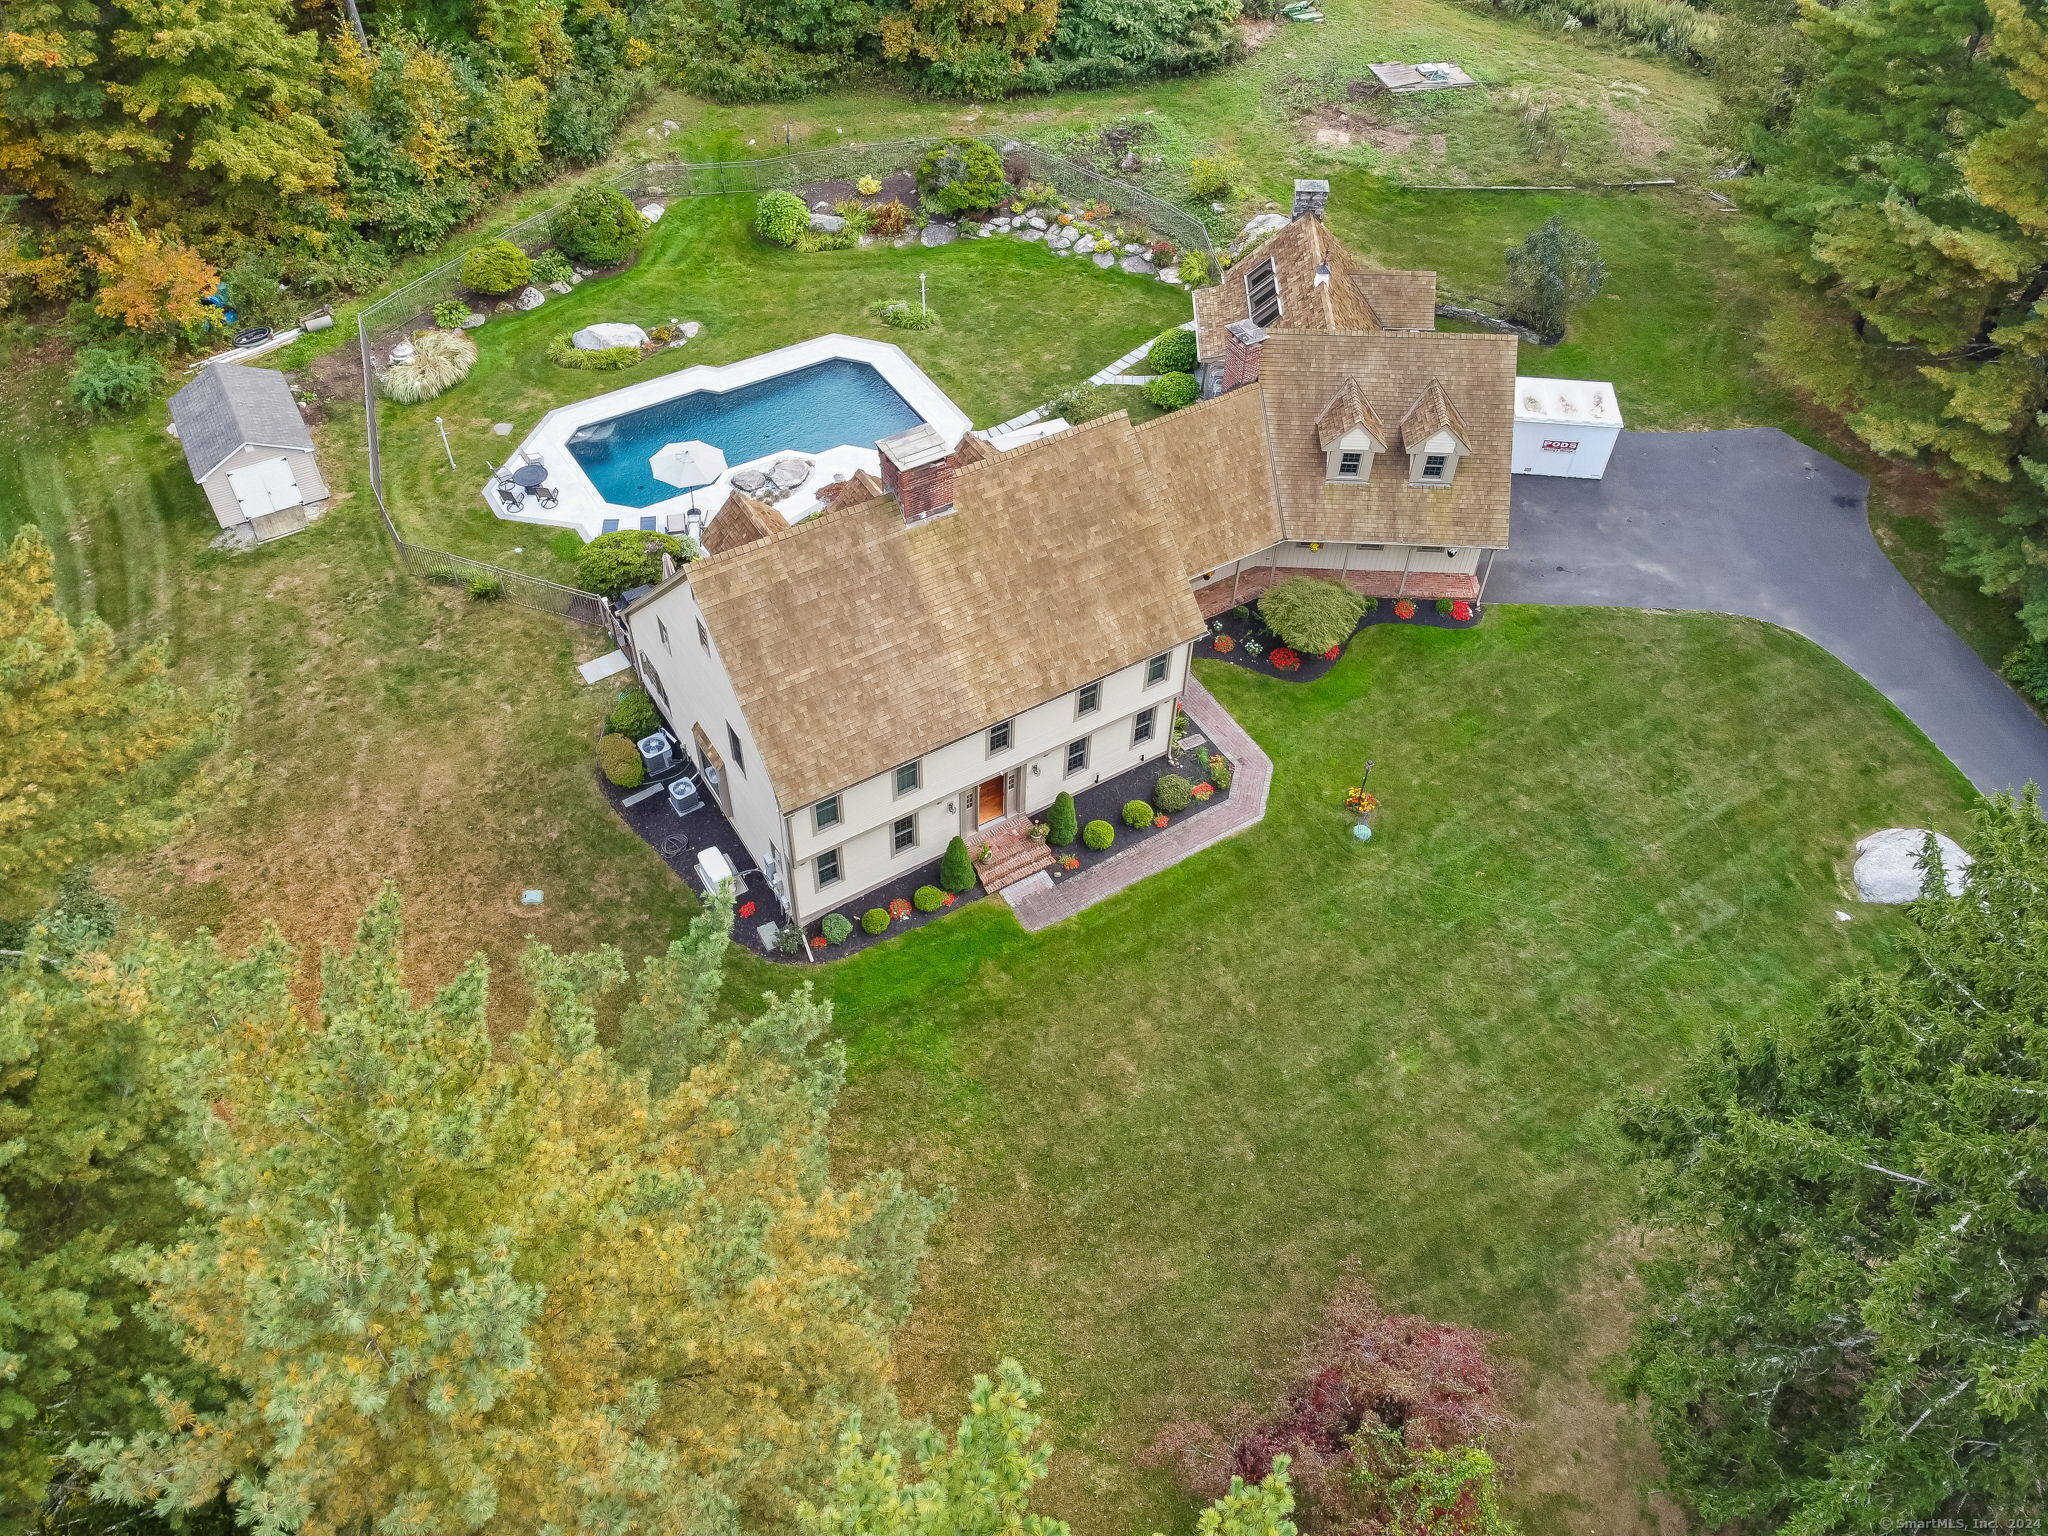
point(582, 507)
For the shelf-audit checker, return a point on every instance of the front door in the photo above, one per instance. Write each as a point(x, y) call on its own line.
point(991, 808)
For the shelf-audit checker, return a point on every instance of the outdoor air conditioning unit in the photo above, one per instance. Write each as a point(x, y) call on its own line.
point(658, 753)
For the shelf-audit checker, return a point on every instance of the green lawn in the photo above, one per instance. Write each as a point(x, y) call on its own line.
point(1171, 1119)
point(1019, 325)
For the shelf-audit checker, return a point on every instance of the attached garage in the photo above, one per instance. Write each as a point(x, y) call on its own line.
point(1565, 427)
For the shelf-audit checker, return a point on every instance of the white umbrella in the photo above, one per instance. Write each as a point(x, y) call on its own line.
point(687, 464)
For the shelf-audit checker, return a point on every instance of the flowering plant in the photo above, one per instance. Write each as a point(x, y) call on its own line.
point(1253, 648)
point(1069, 861)
point(1224, 643)
point(1203, 790)
point(951, 897)
point(818, 942)
point(1334, 652)
point(1461, 610)
point(1066, 218)
point(1361, 800)
point(1159, 820)
point(1404, 609)
point(1285, 659)
point(900, 908)
point(746, 909)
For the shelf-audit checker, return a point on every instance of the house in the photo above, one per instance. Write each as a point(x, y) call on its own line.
point(946, 646)
point(248, 448)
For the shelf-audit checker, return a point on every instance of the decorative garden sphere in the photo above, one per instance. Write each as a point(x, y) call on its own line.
point(1363, 832)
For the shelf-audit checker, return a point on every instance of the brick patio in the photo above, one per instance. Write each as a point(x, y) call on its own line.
point(1039, 903)
point(1423, 586)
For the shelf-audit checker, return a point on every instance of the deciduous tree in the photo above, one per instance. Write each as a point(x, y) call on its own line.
point(1843, 1321)
point(148, 281)
point(1550, 274)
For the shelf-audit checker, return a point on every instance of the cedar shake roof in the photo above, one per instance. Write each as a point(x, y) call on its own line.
point(1431, 413)
point(858, 487)
point(1210, 462)
point(858, 642)
point(1470, 377)
point(1350, 412)
point(741, 520)
point(1353, 297)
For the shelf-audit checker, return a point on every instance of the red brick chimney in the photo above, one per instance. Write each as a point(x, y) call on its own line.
point(917, 468)
point(1243, 344)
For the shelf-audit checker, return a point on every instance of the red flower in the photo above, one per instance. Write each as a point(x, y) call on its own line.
point(1203, 790)
point(1159, 820)
point(818, 942)
point(901, 908)
point(1404, 609)
point(951, 897)
point(1333, 653)
point(1461, 610)
point(746, 909)
point(1285, 660)
point(1223, 643)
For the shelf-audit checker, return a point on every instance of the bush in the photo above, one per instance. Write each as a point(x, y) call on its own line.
point(1084, 402)
point(620, 760)
point(907, 317)
point(888, 220)
point(613, 562)
point(484, 587)
point(1214, 176)
point(1197, 269)
point(1549, 274)
point(956, 870)
point(440, 361)
point(960, 174)
point(1137, 813)
point(1098, 835)
point(634, 715)
point(110, 381)
point(781, 216)
point(450, 314)
point(1172, 353)
point(1219, 771)
point(868, 186)
point(874, 920)
point(1062, 826)
point(789, 940)
point(835, 928)
point(1171, 391)
point(564, 353)
point(496, 266)
point(929, 898)
point(599, 225)
point(1172, 793)
point(1311, 614)
point(552, 267)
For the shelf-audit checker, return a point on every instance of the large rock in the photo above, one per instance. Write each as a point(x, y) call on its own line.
point(1032, 234)
point(690, 330)
point(937, 234)
point(1139, 265)
point(1103, 259)
point(1889, 869)
point(530, 297)
point(473, 320)
point(1257, 229)
point(752, 481)
point(652, 212)
point(1084, 245)
point(827, 223)
point(789, 473)
point(608, 333)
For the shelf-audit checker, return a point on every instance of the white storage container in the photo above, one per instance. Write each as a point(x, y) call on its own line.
point(1565, 427)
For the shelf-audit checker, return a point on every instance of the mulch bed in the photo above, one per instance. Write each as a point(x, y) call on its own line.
point(899, 889)
point(897, 187)
point(1243, 623)
point(1105, 802)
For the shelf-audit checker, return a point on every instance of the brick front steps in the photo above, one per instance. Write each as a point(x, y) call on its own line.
point(1014, 854)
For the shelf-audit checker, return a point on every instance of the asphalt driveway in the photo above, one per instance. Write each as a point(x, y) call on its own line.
point(1755, 522)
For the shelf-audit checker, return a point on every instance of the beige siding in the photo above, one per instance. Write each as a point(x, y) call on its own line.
point(228, 511)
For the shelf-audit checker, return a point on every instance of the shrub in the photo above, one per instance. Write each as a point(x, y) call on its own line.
point(835, 928)
point(1172, 353)
point(1062, 826)
point(564, 353)
point(1098, 835)
point(856, 213)
point(781, 216)
point(789, 940)
point(552, 267)
point(1171, 391)
point(613, 562)
point(2026, 668)
point(599, 225)
point(959, 174)
point(1311, 614)
point(929, 898)
point(1196, 269)
point(450, 314)
point(1084, 402)
point(888, 220)
point(496, 266)
point(907, 317)
point(868, 186)
point(956, 870)
point(874, 920)
point(1224, 644)
point(1219, 771)
point(1214, 176)
point(1137, 813)
point(1372, 605)
point(106, 380)
point(1549, 274)
point(1404, 609)
point(634, 715)
point(1172, 792)
point(484, 587)
point(440, 360)
point(620, 760)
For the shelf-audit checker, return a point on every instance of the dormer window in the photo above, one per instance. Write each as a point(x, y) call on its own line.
point(1434, 437)
point(1262, 292)
point(1435, 466)
point(1350, 465)
point(1350, 432)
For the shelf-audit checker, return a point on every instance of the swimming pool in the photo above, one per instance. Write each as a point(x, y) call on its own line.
point(807, 410)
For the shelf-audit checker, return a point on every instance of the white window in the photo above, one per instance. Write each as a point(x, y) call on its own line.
point(1434, 464)
point(825, 813)
point(909, 777)
point(1141, 726)
point(999, 737)
point(1089, 699)
point(1349, 464)
point(827, 868)
point(1155, 669)
point(903, 835)
point(1077, 755)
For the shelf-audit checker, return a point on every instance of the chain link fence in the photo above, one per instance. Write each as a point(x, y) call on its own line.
point(382, 325)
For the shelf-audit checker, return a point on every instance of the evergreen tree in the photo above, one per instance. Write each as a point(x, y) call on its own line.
point(1843, 1325)
point(1062, 821)
point(98, 753)
point(558, 1287)
point(1549, 274)
point(956, 869)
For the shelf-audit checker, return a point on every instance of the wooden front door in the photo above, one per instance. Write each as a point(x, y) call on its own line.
point(991, 807)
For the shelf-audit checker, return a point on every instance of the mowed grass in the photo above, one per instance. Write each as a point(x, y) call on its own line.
point(1170, 1121)
point(1019, 325)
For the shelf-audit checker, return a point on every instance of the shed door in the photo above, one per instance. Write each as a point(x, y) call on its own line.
point(264, 487)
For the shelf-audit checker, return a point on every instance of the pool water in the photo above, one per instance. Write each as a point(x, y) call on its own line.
point(826, 405)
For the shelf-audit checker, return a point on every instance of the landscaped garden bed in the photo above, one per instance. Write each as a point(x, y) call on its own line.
point(1242, 637)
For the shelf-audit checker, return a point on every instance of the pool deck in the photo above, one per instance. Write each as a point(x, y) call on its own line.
point(583, 508)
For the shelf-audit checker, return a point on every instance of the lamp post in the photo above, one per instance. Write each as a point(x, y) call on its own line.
point(922, 307)
point(444, 443)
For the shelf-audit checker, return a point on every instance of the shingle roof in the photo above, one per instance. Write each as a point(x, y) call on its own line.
point(742, 519)
point(1353, 297)
point(1432, 413)
point(1349, 412)
point(1209, 460)
point(857, 641)
point(231, 406)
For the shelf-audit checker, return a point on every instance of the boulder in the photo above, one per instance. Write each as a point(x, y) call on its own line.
point(937, 234)
point(1084, 246)
point(1139, 265)
point(752, 481)
point(668, 126)
point(1169, 276)
point(1065, 250)
point(1889, 871)
point(1103, 259)
point(1131, 247)
point(474, 320)
point(558, 287)
point(1035, 234)
point(827, 223)
point(530, 298)
point(1035, 222)
point(652, 212)
point(608, 333)
point(1257, 228)
point(690, 328)
point(1130, 161)
point(789, 473)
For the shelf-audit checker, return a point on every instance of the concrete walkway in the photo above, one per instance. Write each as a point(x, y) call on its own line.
point(1755, 522)
point(1040, 901)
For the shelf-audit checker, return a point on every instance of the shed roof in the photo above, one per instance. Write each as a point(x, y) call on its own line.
point(230, 407)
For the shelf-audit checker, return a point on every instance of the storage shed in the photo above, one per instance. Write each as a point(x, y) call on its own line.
point(1565, 427)
point(248, 448)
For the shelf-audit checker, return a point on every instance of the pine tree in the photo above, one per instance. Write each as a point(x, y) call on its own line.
point(98, 753)
point(554, 1287)
point(1062, 822)
point(956, 869)
point(1843, 1329)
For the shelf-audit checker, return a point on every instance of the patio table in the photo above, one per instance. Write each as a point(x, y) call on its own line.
point(529, 476)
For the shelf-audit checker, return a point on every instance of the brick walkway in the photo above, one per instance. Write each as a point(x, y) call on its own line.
point(1039, 902)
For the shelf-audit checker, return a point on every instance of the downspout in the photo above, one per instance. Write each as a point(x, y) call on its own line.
point(1402, 590)
point(1490, 556)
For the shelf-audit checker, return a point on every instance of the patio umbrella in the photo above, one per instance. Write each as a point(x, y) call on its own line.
point(687, 464)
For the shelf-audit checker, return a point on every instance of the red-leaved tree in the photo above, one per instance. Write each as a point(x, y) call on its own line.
point(1370, 1398)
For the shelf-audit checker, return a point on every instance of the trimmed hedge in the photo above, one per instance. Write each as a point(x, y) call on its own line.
point(781, 216)
point(874, 920)
point(1171, 391)
point(1062, 824)
point(956, 869)
point(620, 760)
point(927, 898)
point(1311, 614)
point(496, 266)
point(598, 225)
point(1137, 813)
point(1172, 353)
point(835, 928)
point(1172, 793)
point(1098, 835)
point(634, 715)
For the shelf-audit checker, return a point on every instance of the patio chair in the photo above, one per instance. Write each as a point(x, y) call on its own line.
point(511, 496)
point(548, 497)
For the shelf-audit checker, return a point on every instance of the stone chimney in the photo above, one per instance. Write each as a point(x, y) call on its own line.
point(1243, 344)
point(917, 468)
point(1311, 197)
